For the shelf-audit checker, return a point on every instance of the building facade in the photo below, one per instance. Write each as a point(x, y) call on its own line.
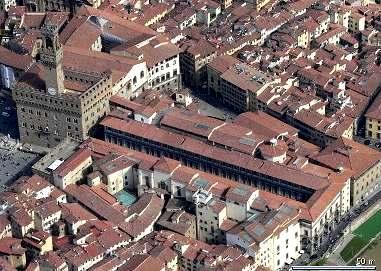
point(6, 4)
point(62, 104)
point(50, 5)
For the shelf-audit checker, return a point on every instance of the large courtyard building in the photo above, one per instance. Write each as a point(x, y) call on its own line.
point(199, 135)
point(53, 102)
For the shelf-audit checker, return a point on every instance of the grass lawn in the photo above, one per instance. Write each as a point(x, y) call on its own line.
point(352, 248)
point(370, 228)
point(363, 234)
point(320, 262)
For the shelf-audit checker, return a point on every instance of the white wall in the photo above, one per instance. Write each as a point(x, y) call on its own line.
point(170, 66)
point(7, 76)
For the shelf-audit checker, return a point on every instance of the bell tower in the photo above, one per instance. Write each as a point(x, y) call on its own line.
point(51, 57)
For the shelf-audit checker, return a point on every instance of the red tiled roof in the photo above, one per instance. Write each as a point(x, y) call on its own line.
point(11, 59)
point(152, 53)
point(269, 150)
point(166, 165)
point(73, 212)
point(223, 63)
point(33, 20)
point(52, 259)
point(374, 111)
point(73, 162)
point(4, 222)
point(11, 246)
point(231, 157)
point(143, 262)
point(265, 124)
point(96, 204)
point(144, 130)
point(190, 122)
point(47, 209)
point(350, 155)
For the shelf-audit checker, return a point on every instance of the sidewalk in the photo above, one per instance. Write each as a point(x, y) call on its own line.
point(335, 257)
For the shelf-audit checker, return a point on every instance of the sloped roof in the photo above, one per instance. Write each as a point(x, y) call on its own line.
point(349, 155)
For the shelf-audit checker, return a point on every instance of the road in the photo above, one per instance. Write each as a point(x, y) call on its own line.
point(331, 240)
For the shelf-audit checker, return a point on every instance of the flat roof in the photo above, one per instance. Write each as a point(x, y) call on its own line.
point(55, 164)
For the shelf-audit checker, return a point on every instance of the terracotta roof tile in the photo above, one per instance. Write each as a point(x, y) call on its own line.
point(11, 59)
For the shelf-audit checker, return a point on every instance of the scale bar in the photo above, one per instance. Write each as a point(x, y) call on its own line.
point(335, 268)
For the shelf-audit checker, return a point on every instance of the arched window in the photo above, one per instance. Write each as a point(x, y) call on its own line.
point(141, 74)
point(49, 42)
point(134, 80)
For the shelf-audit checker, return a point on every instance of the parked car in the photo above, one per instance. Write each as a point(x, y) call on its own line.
point(5, 114)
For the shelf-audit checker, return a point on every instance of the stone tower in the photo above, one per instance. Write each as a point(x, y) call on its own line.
point(51, 57)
